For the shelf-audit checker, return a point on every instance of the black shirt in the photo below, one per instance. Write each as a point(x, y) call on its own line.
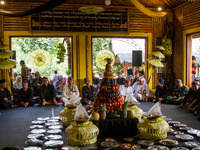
point(88, 92)
point(96, 81)
point(47, 92)
point(25, 96)
point(4, 94)
point(193, 94)
point(120, 81)
point(161, 92)
point(35, 81)
point(130, 72)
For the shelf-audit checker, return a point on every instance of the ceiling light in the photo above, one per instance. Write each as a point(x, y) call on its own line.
point(2, 2)
point(159, 8)
point(107, 2)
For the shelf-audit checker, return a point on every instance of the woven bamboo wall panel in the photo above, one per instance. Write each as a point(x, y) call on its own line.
point(191, 15)
point(139, 22)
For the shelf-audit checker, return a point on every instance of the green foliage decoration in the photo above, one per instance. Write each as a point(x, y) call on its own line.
point(61, 52)
point(167, 44)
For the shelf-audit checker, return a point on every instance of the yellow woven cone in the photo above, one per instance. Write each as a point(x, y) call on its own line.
point(156, 62)
point(158, 54)
point(160, 47)
point(6, 54)
point(7, 63)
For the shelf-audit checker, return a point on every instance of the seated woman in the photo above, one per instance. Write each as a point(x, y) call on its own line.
point(6, 99)
point(25, 95)
point(47, 93)
point(161, 91)
point(69, 91)
point(192, 96)
point(141, 90)
point(17, 85)
point(178, 93)
point(88, 92)
point(37, 83)
point(60, 83)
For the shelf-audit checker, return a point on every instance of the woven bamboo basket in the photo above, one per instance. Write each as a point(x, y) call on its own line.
point(67, 116)
point(153, 129)
point(82, 134)
point(138, 111)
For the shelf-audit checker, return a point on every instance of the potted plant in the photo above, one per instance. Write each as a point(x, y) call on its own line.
point(124, 110)
point(102, 111)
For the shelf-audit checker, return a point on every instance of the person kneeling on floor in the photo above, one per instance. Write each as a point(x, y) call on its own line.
point(178, 94)
point(6, 99)
point(69, 91)
point(47, 93)
point(141, 90)
point(25, 95)
point(191, 99)
point(161, 91)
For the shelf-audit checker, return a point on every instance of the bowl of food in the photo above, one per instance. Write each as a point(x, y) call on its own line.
point(128, 139)
point(168, 142)
point(126, 146)
point(72, 106)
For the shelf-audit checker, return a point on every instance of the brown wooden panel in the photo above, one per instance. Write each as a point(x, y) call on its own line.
point(191, 15)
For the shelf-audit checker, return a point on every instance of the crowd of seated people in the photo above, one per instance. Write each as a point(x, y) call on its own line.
point(24, 90)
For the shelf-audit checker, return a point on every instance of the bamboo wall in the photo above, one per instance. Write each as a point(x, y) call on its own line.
point(186, 20)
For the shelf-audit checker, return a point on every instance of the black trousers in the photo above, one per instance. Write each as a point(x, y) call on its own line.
point(7, 105)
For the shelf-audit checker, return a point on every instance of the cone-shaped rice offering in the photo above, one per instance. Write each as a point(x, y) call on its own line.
point(67, 115)
point(153, 126)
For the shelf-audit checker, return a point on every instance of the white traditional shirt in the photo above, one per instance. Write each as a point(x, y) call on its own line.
point(125, 90)
point(69, 92)
point(140, 89)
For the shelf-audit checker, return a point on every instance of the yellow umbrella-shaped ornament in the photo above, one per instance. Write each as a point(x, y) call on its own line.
point(158, 54)
point(156, 62)
point(7, 63)
point(5, 54)
point(160, 47)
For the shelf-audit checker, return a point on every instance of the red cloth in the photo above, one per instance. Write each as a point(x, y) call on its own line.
point(125, 70)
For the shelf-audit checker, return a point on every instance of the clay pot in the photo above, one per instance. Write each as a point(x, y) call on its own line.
point(103, 115)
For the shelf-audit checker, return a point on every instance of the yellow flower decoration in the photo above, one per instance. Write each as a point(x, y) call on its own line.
point(40, 59)
point(102, 55)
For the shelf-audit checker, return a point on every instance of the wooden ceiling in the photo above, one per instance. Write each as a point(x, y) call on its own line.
point(127, 3)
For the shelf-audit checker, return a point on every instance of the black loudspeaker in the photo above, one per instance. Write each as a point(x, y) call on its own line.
point(137, 58)
point(14, 55)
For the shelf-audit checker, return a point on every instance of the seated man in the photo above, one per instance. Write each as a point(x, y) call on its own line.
point(88, 92)
point(37, 83)
point(25, 95)
point(120, 80)
point(141, 90)
point(178, 93)
point(191, 96)
point(69, 91)
point(161, 91)
point(6, 99)
point(47, 93)
point(126, 88)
